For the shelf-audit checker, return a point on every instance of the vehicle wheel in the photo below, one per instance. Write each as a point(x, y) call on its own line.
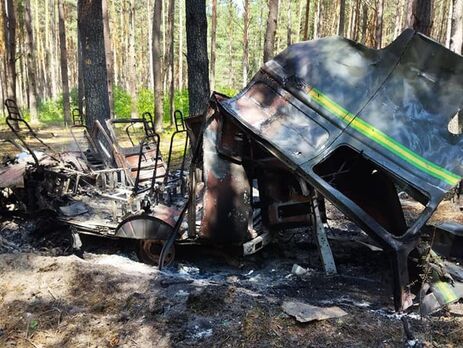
point(149, 251)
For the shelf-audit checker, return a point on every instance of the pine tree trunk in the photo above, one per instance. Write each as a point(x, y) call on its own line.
point(421, 18)
point(245, 42)
point(316, 21)
point(364, 23)
point(157, 69)
point(231, 73)
point(456, 41)
point(108, 54)
point(356, 23)
point(150, 44)
point(289, 30)
point(299, 20)
point(132, 72)
point(270, 32)
point(342, 10)
point(90, 25)
point(398, 18)
point(379, 23)
point(198, 78)
point(64, 64)
point(456, 27)
point(213, 42)
point(31, 68)
point(180, 45)
point(306, 23)
point(9, 31)
point(80, 76)
point(170, 60)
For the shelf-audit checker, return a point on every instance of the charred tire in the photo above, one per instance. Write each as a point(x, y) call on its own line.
point(149, 252)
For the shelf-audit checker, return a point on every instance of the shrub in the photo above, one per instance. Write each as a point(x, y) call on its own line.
point(122, 102)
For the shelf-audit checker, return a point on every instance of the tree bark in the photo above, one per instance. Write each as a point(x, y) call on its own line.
point(270, 32)
point(317, 20)
point(109, 55)
point(31, 66)
point(342, 10)
point(64, 64)
point(180, 45)
point(80, 76)
point(90, 26)
point(150, 44)
point(245, 42)
point(364, 23)
point(213, 42)
point(456, 41)
point(198, 78)
point(379, 23)
point(9, 31)
point(170, 60)
point(421, 17)
point(306, 23)
point(132, 73)
point(456, 26)
point(157, 69)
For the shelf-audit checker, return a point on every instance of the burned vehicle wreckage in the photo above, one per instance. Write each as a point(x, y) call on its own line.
point(325, 119)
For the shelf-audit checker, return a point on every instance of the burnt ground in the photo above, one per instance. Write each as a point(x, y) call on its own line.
point(209, 297)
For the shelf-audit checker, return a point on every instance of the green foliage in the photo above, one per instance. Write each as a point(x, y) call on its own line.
point(180, 103)
point(122, 102)
point(74, 95)
point(50, 110)
point(145, 101)
point(228, 91)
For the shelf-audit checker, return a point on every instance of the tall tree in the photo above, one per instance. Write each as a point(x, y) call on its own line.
point(64, 64)
point(289, 29)
point(269, 41)
point(180, 45)
point(157, 69)
point(132, 73)
point(379, 23)
point(364, 23)
point(90, 25)
point(317, 20)
point(456, 41)
point(198, 78)
point(109, 54)
point(170, 60)
point(245, 42)
point(213, 42)
point(421, 16)
point(342, 10)
point(31, 67)
point(456, 26)
point(9, 31)
point(306, 23)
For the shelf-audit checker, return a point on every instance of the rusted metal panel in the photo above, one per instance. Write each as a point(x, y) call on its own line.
point(226, 201)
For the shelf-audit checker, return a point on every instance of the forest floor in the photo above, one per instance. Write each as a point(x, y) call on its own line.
point(208, 297)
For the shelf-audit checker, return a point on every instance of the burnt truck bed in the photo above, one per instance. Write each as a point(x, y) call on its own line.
point(360, 125)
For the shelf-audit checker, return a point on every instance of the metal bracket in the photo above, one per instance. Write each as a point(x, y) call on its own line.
point(256, 244)
point(324, 248)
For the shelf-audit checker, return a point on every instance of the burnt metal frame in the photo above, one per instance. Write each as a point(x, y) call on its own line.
point(179, 129)
point(14, 116)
